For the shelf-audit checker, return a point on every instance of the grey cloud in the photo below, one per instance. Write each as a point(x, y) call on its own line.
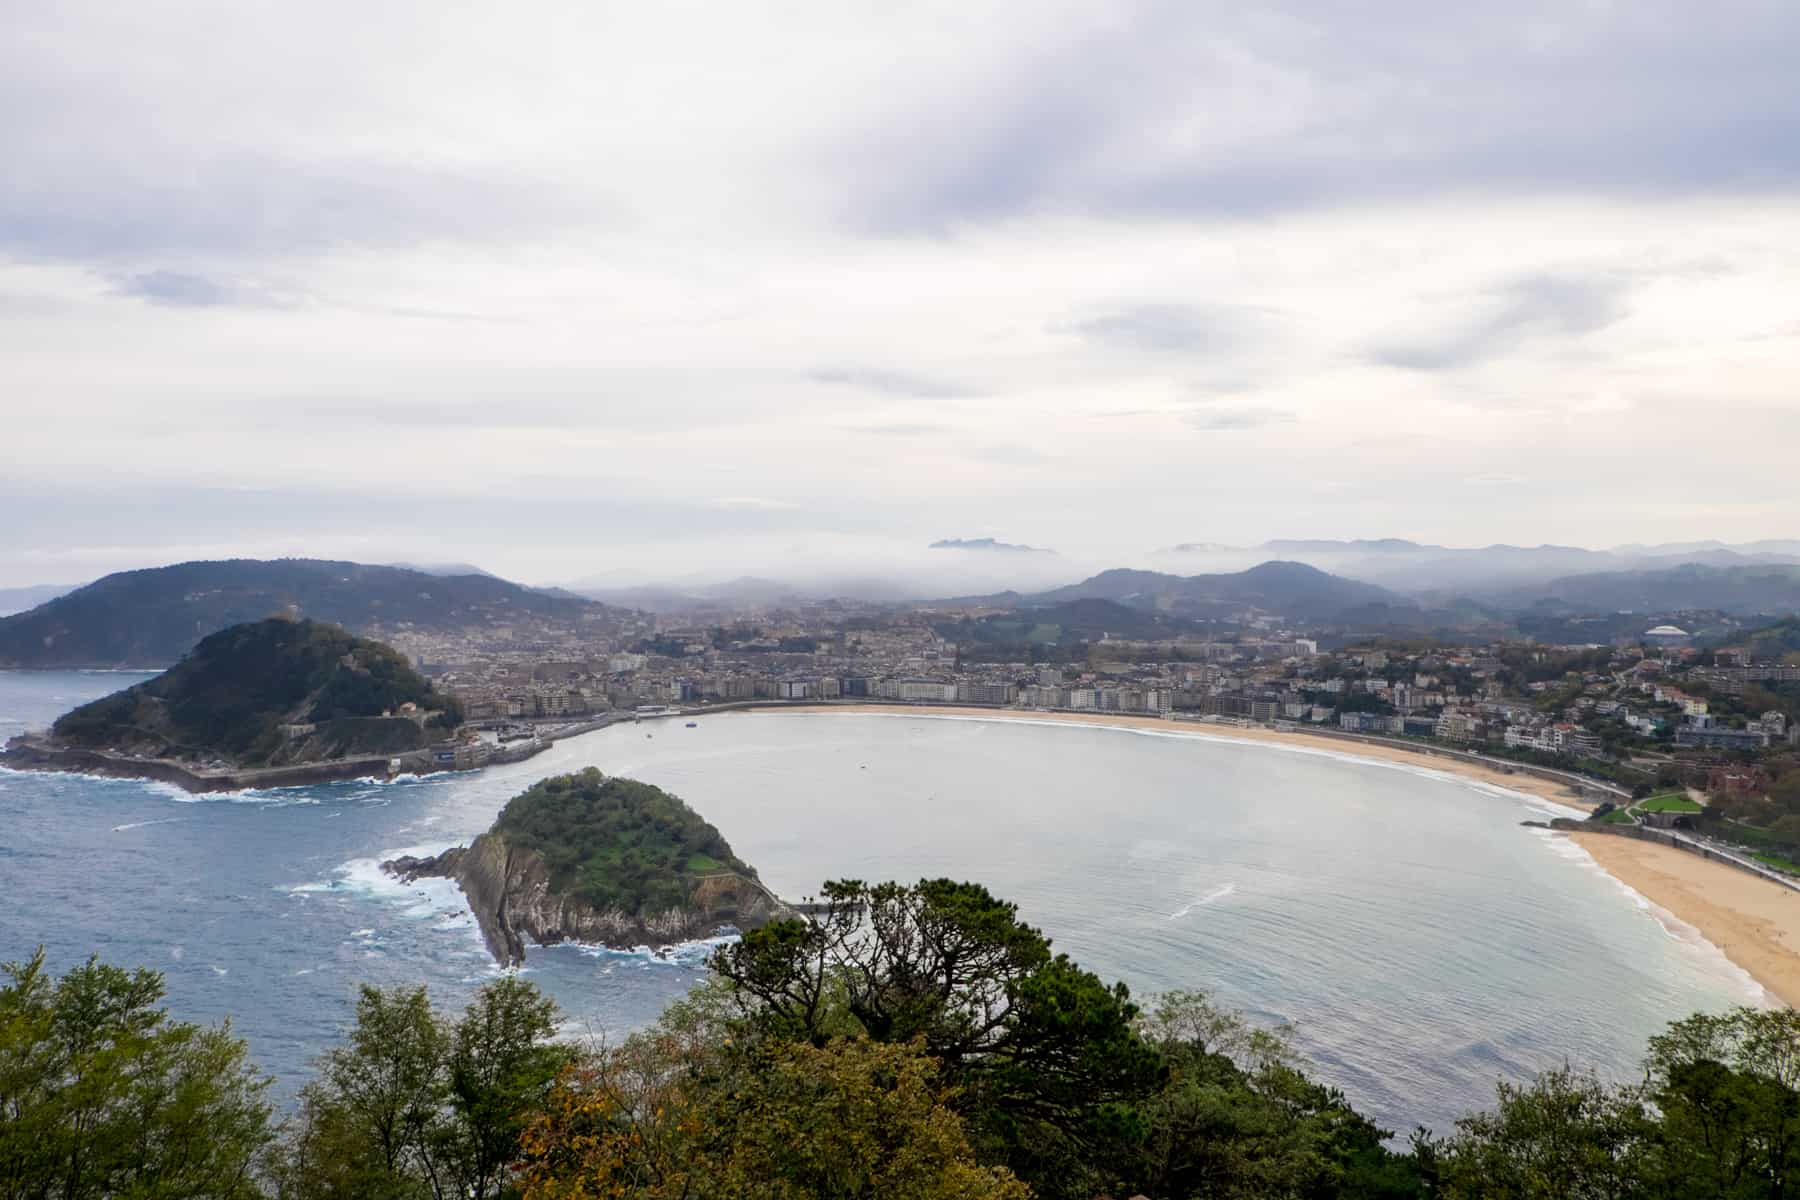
point(1296, 104)
point(1229, 419)
point(1010, 454)
point(1168, 328)
point(178, 290)
point(252, 205)
point(1525, 310)
point(890, 382)
point(900, 428)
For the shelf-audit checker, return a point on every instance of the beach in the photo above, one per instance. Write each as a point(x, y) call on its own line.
point(1755, 923)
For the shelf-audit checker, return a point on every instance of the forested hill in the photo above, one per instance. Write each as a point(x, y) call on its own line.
point(273, 692)
point(617, 843)
point(150, 618)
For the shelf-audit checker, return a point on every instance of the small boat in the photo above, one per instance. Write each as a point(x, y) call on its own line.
point(693, 724)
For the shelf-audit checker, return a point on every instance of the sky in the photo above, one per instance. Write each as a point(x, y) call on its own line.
point(619, 293)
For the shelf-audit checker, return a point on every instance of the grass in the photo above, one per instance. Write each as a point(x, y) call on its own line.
point(1779, 863)
point(701, 864)
point(1617, 816)
point(1044, 634)
point(1668, 802)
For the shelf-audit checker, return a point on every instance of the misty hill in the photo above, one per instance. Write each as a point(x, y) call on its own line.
point(269, 693)
point(23, 599)
point(741, 593)
point(1290, 590)
point(1486, 571)
point(987, 544)
point(150, 618)
point(1066, 623)
point(1771, 588)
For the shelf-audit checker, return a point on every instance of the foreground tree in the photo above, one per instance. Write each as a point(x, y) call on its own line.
point(101, 1095)
point(416, 1106)
point(1239, 1119)
point(687, 1111)
point(1047, 1067)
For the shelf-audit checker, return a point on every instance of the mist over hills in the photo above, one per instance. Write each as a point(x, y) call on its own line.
point(23, 599)
point(150, 618)
point(1762, 588)
point(1290, 590)
point(1495, 572)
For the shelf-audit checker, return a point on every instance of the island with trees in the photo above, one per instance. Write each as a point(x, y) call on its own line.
point(603, 861)
point(272, 703)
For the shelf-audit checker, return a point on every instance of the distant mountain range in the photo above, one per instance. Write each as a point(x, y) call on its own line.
point(1289, 590)
point(1762, 588)
point(150, 618)
point(23, 599)
point(1422, 569)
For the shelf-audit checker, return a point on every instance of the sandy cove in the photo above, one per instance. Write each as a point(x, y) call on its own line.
point(1754, 923)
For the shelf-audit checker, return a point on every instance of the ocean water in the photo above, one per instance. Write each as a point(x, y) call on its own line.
point(1425, 944)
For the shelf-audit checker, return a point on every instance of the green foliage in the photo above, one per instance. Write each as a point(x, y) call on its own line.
point(101, 1095)
point(686, 1111)
point(1044, 1055)
point(414, 1105)
point(1239, 1119)
point(1717, 1117)
point(230, 695)
point(1668, 802)
point(616, 843)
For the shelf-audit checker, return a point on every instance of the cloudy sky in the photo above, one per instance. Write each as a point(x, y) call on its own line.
point(667, 290)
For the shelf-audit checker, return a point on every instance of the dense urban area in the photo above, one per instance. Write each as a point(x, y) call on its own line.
point(1660, 708)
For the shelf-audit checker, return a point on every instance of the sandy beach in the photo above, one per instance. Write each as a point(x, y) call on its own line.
point(1754, 922)
point(1518, 781)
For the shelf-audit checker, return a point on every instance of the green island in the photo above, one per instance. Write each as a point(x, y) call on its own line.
point(617, 843)
point(603, 860)
point(270, 693)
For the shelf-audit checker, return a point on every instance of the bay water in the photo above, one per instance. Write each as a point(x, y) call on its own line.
point(1425, 944)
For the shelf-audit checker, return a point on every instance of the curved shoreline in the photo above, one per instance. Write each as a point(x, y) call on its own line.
point(1752, 923)
point(1534, 786)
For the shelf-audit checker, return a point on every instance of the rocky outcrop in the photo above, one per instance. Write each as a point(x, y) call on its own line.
point(509, 890)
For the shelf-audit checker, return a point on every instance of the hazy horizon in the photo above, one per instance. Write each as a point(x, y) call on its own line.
point(680, 293)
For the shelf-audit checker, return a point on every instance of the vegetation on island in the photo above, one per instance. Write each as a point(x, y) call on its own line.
point(914, 1043)
point(617, 843)
point(270, 692)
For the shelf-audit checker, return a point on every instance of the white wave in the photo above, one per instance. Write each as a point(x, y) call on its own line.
point(438, 900)
point(142, 824)
point(682, 954)
point(1218, 893)
point(177, 952)
point(218, 970)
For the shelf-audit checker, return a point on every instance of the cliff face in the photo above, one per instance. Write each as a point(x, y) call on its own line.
point(509, 891)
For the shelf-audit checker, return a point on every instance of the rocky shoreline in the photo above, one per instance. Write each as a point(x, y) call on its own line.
point(509, 891)
point(25, 753)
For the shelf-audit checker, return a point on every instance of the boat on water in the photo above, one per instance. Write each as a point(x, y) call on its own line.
point(693, 724)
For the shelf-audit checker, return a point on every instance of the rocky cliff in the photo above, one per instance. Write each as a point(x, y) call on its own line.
point(509, 889)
